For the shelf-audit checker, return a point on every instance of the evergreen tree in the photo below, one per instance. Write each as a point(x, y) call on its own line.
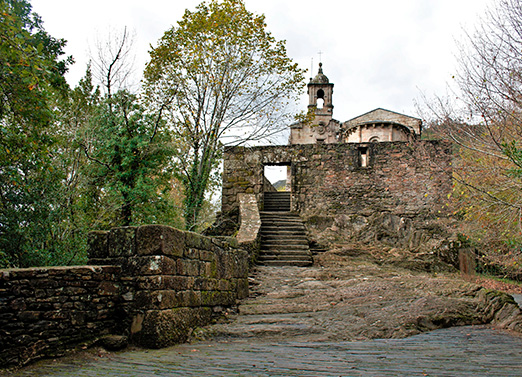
point(31, 79)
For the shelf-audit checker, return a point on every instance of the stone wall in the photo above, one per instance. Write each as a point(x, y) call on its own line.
point(153, 284)
point(46, 311)
point(176, 280)
point(399, 198)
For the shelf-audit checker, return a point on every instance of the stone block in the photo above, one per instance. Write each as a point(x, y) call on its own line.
point(29, 316)
point(97, 244)
point(162, 328)
point(205, 284)
point(108, 288)
point(177, 283)
point(240, 259)
point(242, 288)
point(197, 241)
point(191, 253)
point(106, 261)
point(114, 342)
point(160, 240)
point(207, 256)
point(224, 285)
point(188, 267)
point(190, 298)
point(151, 265)
point(218, 298)
point(162, 299)
point(122, 242)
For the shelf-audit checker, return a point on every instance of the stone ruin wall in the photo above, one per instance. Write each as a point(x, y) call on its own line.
point(152, 283)
point(400, 198)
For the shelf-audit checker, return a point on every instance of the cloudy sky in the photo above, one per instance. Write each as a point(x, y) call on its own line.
point(378, 53)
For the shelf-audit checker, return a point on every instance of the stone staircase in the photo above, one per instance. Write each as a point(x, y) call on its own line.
point(278, 201)
point(283, 236)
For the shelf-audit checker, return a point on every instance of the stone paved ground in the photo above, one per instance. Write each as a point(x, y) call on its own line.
point(319, 321)
point(461, 351)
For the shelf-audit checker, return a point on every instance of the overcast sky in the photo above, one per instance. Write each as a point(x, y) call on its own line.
point(378, 53)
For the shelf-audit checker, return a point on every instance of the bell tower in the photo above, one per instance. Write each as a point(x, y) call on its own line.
point(322, 128)
point(320, 92)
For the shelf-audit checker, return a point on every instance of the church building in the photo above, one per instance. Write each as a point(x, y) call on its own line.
point(375, 126)
point(368, 180)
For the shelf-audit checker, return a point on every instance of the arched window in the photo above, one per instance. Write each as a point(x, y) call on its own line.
point(320, 99)
point(374, 139)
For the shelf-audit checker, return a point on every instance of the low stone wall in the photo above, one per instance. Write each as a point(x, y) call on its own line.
point(152, 283)
point(175, 280)
point(46, 311)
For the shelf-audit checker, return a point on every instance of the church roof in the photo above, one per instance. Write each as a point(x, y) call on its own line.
point(386, 116)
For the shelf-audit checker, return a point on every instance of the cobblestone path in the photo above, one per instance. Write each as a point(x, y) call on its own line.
point(460, 351)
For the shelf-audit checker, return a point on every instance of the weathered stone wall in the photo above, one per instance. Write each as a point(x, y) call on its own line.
point(46, 311)
point(152, 283)
point(399, 198)
point(176, 280)
point(248, 236)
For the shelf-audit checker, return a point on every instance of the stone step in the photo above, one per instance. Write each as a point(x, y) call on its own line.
point(281, 208)
point(277, 214)
point(282, 223)
point(290, 239)
point(284, 252)
point(283, 229)
point(277, 194)
point(283, 235)
point(281, 218)
point(277, 201)
point(296, 263)
point(271, 257)
point(279, 242)
point(284, 248)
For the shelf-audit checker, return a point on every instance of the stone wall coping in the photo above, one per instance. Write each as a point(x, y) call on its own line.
point(250, 220)
point(7, 272)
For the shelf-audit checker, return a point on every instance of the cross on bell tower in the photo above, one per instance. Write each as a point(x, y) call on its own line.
point(320, 92)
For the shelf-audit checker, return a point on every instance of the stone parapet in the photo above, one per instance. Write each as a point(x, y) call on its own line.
point(47, 311)
point(151, 283)
point(175, 275)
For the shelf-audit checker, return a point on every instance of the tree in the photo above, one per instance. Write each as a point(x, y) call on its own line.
point(114, 61)
point(128, 150)
point(222, 79)
point(31, 80)
point(484, 119)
